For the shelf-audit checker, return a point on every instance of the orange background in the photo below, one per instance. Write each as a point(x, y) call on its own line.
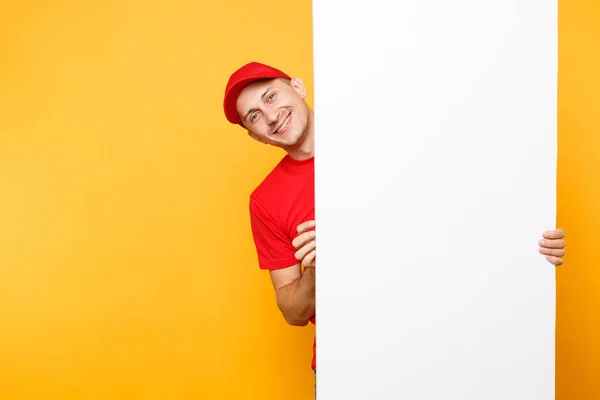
point(127, 269)
point(127, 265)
point(578, 280)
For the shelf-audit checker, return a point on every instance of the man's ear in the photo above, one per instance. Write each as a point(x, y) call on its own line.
point(255, 137)
point(298, 86)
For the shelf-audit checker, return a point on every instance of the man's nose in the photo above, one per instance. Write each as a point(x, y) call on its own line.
point(272, 116)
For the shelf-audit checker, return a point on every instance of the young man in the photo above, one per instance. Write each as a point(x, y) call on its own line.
point(271, 107)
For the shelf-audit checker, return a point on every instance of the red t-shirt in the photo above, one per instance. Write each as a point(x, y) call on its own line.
point(284, 200)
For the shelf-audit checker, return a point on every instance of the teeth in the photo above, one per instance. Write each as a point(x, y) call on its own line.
point(284, 124)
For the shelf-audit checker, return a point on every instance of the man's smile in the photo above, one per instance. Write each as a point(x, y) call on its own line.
point(284, 125)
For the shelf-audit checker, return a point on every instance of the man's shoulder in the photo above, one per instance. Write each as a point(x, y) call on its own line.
point(269, 184)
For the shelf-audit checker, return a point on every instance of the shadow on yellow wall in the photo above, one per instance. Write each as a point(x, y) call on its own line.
point(578, 281)
point(127, 268)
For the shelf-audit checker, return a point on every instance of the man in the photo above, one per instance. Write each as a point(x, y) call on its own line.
point(271, 107)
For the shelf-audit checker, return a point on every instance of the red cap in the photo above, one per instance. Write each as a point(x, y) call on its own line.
point(240, 79)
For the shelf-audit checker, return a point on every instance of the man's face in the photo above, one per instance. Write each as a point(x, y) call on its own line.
point(274, 111)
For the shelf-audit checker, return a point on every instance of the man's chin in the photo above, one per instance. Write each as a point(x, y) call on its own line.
point(289, 142)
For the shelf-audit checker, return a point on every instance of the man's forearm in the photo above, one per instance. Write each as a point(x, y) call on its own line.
point(296, 300)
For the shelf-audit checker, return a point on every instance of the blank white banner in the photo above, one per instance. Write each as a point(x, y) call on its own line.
point(435, 177)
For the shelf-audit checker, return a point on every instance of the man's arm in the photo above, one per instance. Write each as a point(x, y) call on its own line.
point(295, 293)
point(296, 290)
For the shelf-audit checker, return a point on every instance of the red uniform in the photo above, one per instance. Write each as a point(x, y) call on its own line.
point(278, 205)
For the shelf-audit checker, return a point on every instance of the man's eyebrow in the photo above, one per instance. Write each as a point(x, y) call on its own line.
point(265, 93)
point(262, 98)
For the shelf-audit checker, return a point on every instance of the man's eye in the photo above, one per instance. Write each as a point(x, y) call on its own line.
point(253, 117)
point(271, 97)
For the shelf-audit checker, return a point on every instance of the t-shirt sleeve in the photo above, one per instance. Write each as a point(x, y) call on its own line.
point(273, 247)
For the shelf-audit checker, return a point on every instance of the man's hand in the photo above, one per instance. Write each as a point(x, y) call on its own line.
point(305, 244)
point(552, 246)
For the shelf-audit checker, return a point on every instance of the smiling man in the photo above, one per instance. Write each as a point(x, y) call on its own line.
point(271, 107)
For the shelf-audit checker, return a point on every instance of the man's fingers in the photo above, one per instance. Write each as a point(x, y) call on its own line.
point(553, 243)
point(307, 248)
point(305, 243)
point(303, 238)
point(309, 260)
point(552, 252)
point(554, 234)
point(555, 260)
point(305, 226)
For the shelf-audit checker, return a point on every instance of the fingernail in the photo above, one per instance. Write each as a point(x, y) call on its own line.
point(542, 242)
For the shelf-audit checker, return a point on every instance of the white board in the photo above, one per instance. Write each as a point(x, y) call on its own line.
point(435, 177)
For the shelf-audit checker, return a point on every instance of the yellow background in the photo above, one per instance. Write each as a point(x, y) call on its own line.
point(127, 266)
point(578, 281)
point(127, 269)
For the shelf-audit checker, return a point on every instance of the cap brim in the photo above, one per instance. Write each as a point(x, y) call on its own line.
point(232, 97)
